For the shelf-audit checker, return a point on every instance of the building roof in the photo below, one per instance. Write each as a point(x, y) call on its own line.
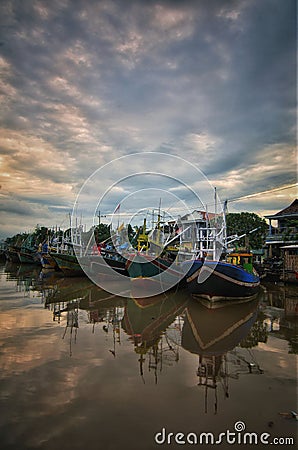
point(198, 215)
point(289, 211)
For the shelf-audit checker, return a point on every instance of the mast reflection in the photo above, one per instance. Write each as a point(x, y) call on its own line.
point(213, 334)
point(152, 324)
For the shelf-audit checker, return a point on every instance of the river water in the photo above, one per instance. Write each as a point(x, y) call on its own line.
point(82, 369)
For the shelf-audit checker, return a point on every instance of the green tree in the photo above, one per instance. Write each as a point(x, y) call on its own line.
point(241, 223)
point(102, 232)
point(41, 234)
point(17, 239)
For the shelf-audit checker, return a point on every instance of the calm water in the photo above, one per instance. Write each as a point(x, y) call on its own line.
point(83, 369)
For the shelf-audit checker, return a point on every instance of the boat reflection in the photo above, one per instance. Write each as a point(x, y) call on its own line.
point(27, 277)
point(154, 325)
point(67, 298)
point(159, 326)
point(213, 334)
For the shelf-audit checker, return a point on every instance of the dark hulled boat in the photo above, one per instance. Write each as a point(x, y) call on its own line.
point(12, 254)
point(73, 266)
point(152, 274)
point(48, 262)
point(220, 280)
point(112, 258)
point(68, 264)
point(27, 256)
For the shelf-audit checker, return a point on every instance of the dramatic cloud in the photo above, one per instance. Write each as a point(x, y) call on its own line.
point(82, 83)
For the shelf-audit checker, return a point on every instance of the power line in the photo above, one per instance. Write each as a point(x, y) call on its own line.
point(263, 192)
point(244, 197)
point(231, 200)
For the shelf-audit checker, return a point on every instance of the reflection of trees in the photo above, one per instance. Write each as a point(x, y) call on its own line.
point(290, 334)
point(258, 333)
point(293, 347)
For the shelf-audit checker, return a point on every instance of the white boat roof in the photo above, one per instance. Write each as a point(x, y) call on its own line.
point(290, 246)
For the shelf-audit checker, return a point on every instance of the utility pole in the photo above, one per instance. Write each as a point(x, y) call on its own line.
point(99, 216)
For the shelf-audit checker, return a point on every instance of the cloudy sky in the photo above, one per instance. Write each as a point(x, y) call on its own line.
point(85, 82)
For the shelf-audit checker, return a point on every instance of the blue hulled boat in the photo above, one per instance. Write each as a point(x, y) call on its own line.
point(222, 280)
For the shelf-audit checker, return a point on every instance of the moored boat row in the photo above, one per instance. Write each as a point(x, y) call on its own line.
point(197, 267)
point(192, 252)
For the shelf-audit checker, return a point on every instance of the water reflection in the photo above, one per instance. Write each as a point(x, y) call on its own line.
point(158, 326)
point(67, 344)
point(276, 308)
point(27, 277)
point(279, 312)
point(211, 334)
point(154, 325)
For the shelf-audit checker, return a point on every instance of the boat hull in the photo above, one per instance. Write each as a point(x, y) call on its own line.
point(142, 265)
point(28, 257)
point(12, 256)
point(48, 262)
point(218, 281)
point(68, 264)
point(72, 267)
point(152, 275)
point(98, 264)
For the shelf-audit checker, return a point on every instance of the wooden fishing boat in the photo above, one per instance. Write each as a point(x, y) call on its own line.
point(68, 264)
point(112, 258)
point(12, 254)
point(233, 279)
point(221, 280)
point(48, 262)
point(66, 253)
point(27, 256)
point(28, 250)
point(71, 266)
point(153, 268)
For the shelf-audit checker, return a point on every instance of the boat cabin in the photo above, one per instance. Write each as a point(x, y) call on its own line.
point(199, 238)
point(244, 260)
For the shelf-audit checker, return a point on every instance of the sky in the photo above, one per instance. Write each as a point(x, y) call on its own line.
point(84, 83)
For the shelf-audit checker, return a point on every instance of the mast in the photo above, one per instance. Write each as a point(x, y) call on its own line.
point(215, 208)
point(158, 222)
point(225, 225)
